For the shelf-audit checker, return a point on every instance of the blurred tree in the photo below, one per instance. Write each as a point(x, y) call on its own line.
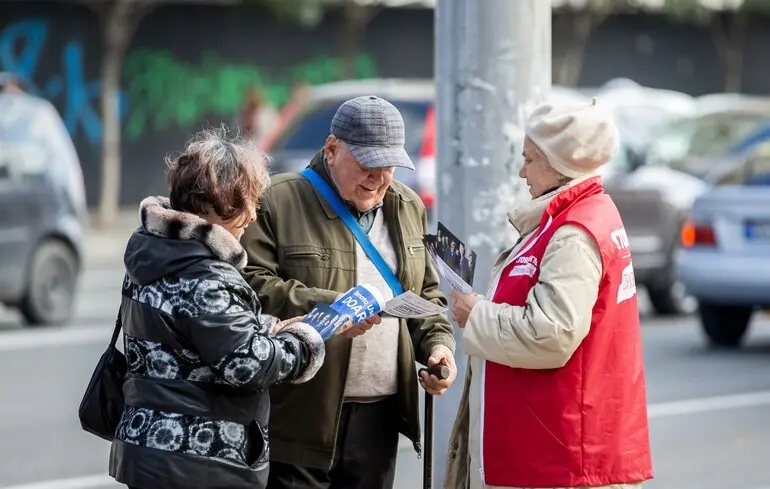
point(575, 23)
point(118, 20)
point(356, 15)
point(728, 22)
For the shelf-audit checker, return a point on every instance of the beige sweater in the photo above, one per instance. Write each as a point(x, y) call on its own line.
point(373, 369)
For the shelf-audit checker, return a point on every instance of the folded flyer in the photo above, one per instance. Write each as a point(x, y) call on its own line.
point(454, 260)
point(363, 301)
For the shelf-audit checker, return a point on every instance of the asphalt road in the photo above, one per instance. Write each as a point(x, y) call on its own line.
point(709, 410)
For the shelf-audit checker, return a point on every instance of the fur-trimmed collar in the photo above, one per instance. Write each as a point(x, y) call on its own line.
point(158, 218)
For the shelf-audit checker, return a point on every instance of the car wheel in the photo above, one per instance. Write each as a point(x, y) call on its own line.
point(667, 295)
point(671, 299)
point(725, 325)
point(51, 287)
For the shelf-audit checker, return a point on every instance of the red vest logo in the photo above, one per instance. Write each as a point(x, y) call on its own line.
point(524, 266)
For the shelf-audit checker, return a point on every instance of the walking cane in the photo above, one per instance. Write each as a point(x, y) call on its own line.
point(442, 372)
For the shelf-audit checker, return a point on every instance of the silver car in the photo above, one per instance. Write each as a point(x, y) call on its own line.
point(725, 262)
point(42, 210)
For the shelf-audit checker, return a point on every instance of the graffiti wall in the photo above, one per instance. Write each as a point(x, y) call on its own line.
point(188, 68)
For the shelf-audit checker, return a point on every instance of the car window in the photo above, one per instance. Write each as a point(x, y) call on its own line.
point(754, 170)
point(310, 130)
point(687, 144)
point(716, 135)
point(620, 165)
point(21, 151)
point(35, 145)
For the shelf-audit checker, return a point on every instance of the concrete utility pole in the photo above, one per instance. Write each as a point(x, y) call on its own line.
point(493, 65)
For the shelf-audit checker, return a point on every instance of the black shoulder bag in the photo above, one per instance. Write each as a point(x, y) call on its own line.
point(103, 403)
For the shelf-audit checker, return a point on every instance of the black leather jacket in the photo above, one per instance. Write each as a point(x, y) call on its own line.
point(201, 361)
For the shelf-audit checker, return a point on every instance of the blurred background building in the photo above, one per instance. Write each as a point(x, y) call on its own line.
point(190, 63)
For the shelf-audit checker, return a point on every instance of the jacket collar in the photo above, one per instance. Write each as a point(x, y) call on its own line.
point(158, 218)
point(526, 217)
point(317, 165)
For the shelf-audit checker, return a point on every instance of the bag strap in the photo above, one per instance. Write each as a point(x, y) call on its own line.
point(347, 217)
point(116, 333)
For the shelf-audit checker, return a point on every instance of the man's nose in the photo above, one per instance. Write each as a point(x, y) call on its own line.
point(377, 175)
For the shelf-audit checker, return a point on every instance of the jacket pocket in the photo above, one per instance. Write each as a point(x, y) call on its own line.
point(306, 256)
point(414, 250)
point(298, 255)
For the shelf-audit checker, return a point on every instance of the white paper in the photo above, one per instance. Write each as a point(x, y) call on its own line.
point(411, 305)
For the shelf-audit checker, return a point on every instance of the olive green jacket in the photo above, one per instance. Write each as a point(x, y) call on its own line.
point(301, 252)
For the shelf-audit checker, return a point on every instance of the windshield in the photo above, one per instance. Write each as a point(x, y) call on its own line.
point(688, 144)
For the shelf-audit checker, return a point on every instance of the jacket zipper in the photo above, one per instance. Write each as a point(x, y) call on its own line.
point(415, 247)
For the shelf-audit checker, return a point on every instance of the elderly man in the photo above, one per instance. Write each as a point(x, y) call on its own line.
point(554, 394)
point(340, 430)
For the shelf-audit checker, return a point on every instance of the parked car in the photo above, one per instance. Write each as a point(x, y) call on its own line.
point(725, 262)
point(42, 211)
point(641, 111)
point(655, 197)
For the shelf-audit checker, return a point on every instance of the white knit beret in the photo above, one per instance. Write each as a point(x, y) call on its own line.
point(576, 139)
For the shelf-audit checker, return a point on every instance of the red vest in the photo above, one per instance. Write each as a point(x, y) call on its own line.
point(584, 424)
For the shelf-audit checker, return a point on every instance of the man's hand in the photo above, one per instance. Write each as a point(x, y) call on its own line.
point(362, 327)
point(277, 327)
point(440, 354)
point(462, 304)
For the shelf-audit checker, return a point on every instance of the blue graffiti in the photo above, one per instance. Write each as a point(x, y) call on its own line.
point(76, 95)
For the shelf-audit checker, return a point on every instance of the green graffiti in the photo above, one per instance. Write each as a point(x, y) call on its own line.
point(164, 90)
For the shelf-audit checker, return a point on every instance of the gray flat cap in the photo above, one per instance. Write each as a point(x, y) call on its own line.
point(373, 129)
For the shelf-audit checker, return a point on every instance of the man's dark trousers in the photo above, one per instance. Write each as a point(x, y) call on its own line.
point(365, 455)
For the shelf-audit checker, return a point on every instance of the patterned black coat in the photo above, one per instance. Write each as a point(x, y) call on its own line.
point(201, 361)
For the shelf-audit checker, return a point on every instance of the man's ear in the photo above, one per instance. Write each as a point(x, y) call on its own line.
point(331, 148)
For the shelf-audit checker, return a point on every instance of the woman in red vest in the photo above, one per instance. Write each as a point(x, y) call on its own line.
point(555, 394)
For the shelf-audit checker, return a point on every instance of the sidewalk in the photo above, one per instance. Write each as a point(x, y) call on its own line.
point(105, 245)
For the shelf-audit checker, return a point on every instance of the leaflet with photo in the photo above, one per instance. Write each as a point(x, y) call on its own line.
point(327, 320)
point(361, 302)
point(455, 261)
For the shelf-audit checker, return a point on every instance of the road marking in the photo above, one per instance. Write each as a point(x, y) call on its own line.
point(25, 340)
point(708, 404)
point(654, 411)
point(84, 482)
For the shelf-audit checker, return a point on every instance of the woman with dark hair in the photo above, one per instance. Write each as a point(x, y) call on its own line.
point(201, 358)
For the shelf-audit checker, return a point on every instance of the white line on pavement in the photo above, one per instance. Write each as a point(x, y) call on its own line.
point(655, 411)
point(85, 482)
point(25, 340)
point(708, 404)
point(101, 481)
